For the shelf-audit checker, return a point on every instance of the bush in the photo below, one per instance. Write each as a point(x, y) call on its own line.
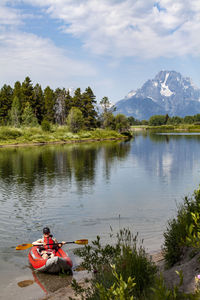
point(130, 261)
point(176, 235)
point(9, 133)
point(46, 126)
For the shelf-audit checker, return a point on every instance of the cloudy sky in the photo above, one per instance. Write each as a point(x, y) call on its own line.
point(113, 46)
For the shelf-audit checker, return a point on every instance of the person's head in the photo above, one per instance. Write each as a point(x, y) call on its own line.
point(46, 231)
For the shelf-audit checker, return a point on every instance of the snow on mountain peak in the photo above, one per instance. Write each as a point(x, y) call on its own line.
point(131, 94)
point(165, 91)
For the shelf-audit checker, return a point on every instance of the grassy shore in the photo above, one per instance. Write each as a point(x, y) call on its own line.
point(168, 128)
point(57, 134)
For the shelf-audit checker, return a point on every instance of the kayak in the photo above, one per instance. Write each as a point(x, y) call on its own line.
point(59, 263)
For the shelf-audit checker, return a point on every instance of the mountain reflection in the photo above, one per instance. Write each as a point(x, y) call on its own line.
point(167, 156)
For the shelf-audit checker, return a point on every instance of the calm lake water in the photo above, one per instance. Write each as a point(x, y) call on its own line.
point(80, 190)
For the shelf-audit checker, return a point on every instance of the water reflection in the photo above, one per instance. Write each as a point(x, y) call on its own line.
point(168, 157)
point(30, 167)
point(80, 190)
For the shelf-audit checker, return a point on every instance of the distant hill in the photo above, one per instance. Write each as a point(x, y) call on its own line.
point(168, 93)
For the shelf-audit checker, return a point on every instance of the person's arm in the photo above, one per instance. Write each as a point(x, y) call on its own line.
point(38, 242)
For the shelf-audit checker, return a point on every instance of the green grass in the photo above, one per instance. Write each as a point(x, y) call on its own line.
point(24, 135)
point(170, 128)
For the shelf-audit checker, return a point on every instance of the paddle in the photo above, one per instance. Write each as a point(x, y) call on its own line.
point(26, 246)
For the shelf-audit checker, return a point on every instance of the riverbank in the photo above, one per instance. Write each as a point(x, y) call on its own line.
point(14, 137)
point(188, 266)
point(167, 128)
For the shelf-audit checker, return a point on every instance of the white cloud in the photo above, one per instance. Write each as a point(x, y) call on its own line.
point(23, 54)
point(130, 27)
point(9, 16)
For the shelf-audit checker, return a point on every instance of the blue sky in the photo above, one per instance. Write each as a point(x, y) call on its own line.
point(113, 46)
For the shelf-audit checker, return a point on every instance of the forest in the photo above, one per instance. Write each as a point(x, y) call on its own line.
point(28, 105)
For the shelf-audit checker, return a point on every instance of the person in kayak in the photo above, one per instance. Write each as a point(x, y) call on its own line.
point(49, 245)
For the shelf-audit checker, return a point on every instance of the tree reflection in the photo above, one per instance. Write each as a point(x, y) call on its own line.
point(35, 166)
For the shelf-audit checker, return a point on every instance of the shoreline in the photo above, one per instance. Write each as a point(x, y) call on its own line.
point(66, 292)
point(61, 142)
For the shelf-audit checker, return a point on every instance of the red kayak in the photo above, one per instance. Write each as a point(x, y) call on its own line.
point(60, 262)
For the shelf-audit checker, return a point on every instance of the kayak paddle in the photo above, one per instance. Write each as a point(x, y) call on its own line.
point(26, 246)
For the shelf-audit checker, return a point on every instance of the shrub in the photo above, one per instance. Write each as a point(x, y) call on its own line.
point(9, 133)
point(176, 235)
point(46, 126)
point(130, 262)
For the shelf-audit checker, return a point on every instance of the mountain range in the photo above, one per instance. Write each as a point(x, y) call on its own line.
point(168, 93)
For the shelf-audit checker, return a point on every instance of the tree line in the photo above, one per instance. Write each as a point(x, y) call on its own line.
point(29, 105)
point(158, 120)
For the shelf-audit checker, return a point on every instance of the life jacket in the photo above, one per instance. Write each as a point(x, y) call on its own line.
point(50, 243)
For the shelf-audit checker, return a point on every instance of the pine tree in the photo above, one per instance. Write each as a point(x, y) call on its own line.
point(6, 94)
point(28, 117)
point(38, 103)
point(15, 112)
point(77, 99)
point(88, 108)
point(49, 102)
point(27, 93)
point(68, 102)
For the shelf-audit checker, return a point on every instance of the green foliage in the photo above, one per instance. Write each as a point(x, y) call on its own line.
point(108, 120)
point(28, 118)
point(49, 102)
point(158, 120)
point(6, 94)
point(119, 290)
point(75, 120)
point(7, 133)
point(46, 126)
point(182, 229)
point(175, 120)
point(15, 112)
point(121, 123)
point(161, 292)
point(130, 262)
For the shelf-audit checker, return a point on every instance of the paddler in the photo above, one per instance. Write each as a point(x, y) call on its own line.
point(49, 245)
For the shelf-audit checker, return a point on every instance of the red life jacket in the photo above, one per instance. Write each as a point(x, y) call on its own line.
point(50, 243)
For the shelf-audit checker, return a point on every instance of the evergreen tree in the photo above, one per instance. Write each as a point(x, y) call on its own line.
point(15, 112)
point(38, 102)
point(49, 102)
point(88, 108)
point(28, 117)
point(27, 93)
point(77, 99)
point(17, 91)
point(68, 102)
point(6, 94)
point(75, 119)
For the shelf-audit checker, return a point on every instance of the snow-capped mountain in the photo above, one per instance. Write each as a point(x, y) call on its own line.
point(168, 93)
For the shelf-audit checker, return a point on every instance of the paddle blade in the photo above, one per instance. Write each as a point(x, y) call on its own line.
point(23, 246)
point(81, 242)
